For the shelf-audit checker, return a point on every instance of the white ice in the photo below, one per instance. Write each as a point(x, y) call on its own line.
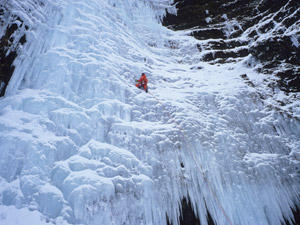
point(80, 144)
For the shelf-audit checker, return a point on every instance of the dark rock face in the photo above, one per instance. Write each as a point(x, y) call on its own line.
point(266, 30)
point(9, 43)
point(188, 216)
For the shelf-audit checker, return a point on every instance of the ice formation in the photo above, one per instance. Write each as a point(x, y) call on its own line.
point(79, 144)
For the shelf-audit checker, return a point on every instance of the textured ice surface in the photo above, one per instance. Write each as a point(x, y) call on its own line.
point(81, 145)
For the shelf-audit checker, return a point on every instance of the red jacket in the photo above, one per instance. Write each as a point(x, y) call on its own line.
point(143, 80)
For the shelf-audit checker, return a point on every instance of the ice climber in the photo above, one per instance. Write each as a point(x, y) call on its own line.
point(142, 82)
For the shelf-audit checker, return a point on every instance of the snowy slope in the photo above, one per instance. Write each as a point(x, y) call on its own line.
point(81, 145)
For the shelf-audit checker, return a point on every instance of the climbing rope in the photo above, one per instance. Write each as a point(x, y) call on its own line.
point(210, 187)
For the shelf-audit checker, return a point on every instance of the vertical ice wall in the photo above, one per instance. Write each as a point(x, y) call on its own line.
point(72, 143)
point(80, 143)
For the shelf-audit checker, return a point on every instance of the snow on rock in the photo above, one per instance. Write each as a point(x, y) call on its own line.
point(80, 144)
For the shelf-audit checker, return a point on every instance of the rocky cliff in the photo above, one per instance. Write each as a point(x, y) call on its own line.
point(265, 34)
point(12, 37)
point(265, 31)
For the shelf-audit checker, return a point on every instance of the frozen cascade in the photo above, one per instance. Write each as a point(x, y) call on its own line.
point(81, 145)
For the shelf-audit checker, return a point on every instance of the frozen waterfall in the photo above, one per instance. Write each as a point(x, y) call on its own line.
point(80, 144)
